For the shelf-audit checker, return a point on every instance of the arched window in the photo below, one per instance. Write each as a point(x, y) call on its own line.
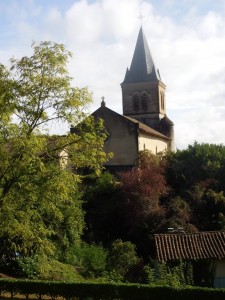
point(136, 102)
point(144, 102)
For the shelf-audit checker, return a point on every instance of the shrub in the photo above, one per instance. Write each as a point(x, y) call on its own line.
point(108, 291)
point(122, 258)
point(27, 267)
point(50, 269)
point(169, 275)
point(91, 259)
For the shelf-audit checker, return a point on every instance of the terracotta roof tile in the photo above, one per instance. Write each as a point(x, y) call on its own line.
point(201, 245)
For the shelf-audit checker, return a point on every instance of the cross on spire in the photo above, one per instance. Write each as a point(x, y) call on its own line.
point(103, 101)
point(140, 17)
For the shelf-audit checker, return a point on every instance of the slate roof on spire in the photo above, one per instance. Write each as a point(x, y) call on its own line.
point(142, 66)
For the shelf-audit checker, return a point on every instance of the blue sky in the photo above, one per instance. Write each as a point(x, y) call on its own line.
point(186, 38)
point(178, 9)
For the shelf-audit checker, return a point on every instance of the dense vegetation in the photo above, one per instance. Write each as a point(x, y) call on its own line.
point(183, 189)
point(59, 224)
point(40, 202)
point(108, 291)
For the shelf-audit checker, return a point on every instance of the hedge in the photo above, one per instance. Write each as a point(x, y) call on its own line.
point(106, 291)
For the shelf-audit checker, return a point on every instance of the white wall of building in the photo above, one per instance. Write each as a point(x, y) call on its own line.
point(155, 145)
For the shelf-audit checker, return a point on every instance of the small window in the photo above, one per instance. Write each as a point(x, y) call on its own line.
point(136, 102)
point(162, 100)
point(144, 103)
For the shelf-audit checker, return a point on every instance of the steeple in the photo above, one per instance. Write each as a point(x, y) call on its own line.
point(143, 90)
point(142, 67)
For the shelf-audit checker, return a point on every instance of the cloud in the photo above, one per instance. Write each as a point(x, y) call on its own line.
point(186, 38)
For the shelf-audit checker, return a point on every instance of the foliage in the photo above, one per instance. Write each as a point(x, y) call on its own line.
point(178, 215)
point(198, 164)
point(122, 258)
point(142, 191)
point(104, 210)
point(130, 209)
point(38, 267)
point(40, 202)
point(51, 269)
point(208, 209)
point(183, 190)
point(196, 200)
point(143, 188)
point(47, 269)
point(176, 275)
point(90, 259)
point(107, 291)
point(26, 267)
point(104, 183)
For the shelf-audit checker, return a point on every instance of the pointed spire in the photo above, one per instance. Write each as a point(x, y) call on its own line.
point(142, 66)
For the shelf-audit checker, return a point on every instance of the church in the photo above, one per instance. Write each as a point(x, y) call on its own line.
point(144, 124)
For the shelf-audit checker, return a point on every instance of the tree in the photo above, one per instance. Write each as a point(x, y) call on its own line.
point(122, 258)
point(198, 164)
point(208, 209)
point(143, 188)
point(103, 207)
point(196, 198)
point(40, 202)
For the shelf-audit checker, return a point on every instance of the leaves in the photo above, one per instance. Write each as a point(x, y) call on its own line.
point(196, 177)
point(40, 200)
point(144, 186)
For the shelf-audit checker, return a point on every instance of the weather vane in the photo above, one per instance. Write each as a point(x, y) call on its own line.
point(140, 17)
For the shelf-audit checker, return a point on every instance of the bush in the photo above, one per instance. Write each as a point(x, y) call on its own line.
point(50, 269)
point(108, 291)
point(91, 259)
point(40, 267)
point(122, 259)
point(169, 275)
point(27, 267)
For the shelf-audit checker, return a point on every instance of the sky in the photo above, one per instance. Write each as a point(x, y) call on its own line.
point(186, 39)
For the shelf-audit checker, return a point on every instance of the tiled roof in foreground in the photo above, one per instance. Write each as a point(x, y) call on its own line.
point(201, 245)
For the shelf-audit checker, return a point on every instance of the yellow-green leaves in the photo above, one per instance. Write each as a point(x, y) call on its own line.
point(40, 205)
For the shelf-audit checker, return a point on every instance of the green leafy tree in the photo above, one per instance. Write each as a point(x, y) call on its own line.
point(208, 209)
point(196, 198)
point(103, 207)
point(178, 214)
point(122, 259)
point(40, 203)
point(198, 164)
point(91, 259)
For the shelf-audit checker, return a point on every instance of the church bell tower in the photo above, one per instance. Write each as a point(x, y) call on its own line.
point(143, 91)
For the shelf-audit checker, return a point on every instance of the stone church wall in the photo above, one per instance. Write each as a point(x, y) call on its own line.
point(122, 140)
